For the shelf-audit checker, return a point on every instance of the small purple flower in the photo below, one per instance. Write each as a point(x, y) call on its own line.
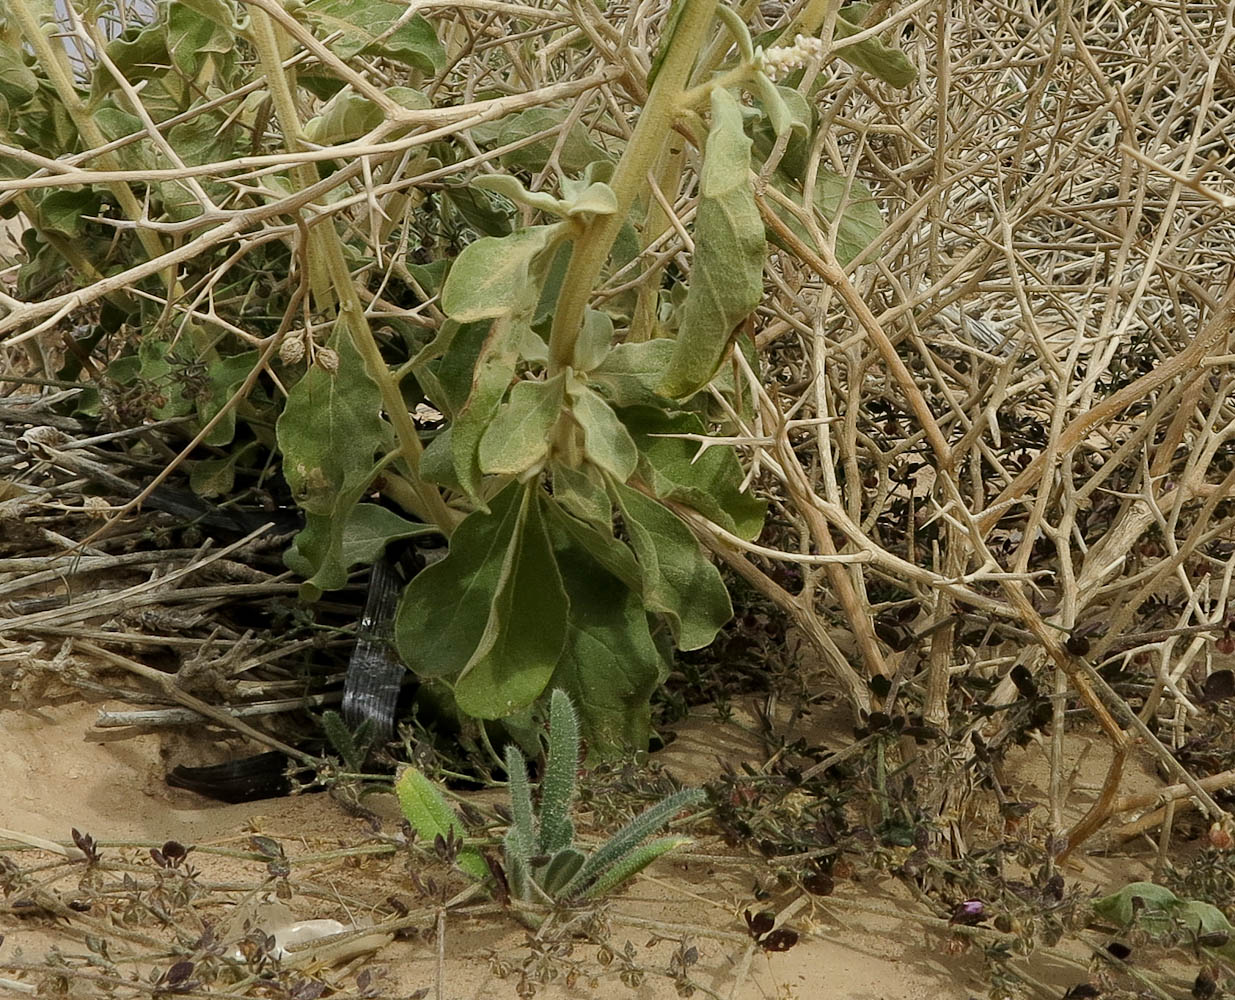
point(969, 913)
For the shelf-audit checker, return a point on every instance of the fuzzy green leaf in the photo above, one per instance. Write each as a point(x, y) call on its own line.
point(368, 27)
point(629, 837)
point(631, 373)
point(557, 789)
point(522, 836)
point(431, 816)
point(606, 442)
point(678, 580)
point(633, 863)
point(445, 607)
point(517, 439)
point(727, 275)
point(493, 276)
point(526, 627)
point(676, 469)
point(582, 492)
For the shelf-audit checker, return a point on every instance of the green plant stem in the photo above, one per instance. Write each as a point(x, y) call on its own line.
point(326, 248)
point(645, 146)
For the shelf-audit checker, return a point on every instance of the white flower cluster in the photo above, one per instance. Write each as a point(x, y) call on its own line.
point(784, 59)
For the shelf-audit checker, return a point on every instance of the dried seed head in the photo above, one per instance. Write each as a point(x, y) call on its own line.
point(291, 351)
point(326, 359)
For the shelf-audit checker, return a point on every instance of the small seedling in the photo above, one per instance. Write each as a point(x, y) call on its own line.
point(543, 864)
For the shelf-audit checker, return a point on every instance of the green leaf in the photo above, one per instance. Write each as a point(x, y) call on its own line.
point(348, 115)
point(494, 371)
point(557, 788)
point(610, 666)
point(871, 55)
point(446, 606)
point(431, 816)
point(596, 539)
point(378, 27)
point(776, 107)
point(861, 219)
point(17, 81)
point(606, 441)
point(578, 149)
point(633, 863)
point(521, 837)
point(62, 209)
point(666, 39)
point(328, 432)
point(492, 276)
point(727, 275)
point(329, 545)
point(678, 580)
point(479, 211)
point(190, 36)
point(629, 837)
point(369, 528)
point(582, 492)
point(707, 480)
point(1119, 907)
point(562, 867)
point(511, 187)
point(595, 340)
point(517, 439)
point(630, 373)
point(224, 377)
point(526, 628)
point(221, 12)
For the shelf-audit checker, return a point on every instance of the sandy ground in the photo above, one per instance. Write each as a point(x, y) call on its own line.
point(56, 778)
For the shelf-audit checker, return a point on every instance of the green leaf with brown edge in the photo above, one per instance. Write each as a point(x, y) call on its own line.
point(606, 441)
point(871, 55)
point(329, 429)
point(495, 368)
point(678, 580)
point(446, 606)
point(517, 439)
point(726, 280)
point(676, 469)
point(526, 629)
point(493, 276)
point(377, 27)
point(610, 666)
